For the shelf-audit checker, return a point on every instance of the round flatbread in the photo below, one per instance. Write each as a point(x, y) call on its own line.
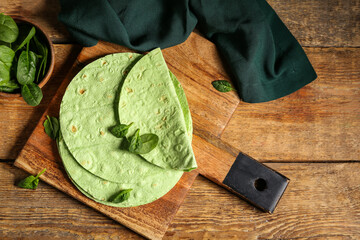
point(149, 99)
point(91, 154)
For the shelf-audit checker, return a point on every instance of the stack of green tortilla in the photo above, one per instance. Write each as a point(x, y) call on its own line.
point(124, 88)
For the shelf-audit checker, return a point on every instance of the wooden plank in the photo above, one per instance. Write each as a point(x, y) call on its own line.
point(313, 23)
point(49, 214)
point(321, 202)
point(319, 122)
point(17, 119)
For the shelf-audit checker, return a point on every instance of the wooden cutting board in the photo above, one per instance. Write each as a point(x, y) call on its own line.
point(196, 64)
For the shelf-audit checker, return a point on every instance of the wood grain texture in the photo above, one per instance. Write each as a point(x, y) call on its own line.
point(320, 203)
point(322, 200)
point(314, 23)
point(17, 119)
point(320, 122)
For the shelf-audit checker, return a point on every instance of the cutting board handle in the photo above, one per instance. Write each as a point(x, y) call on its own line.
point(243, 175)
point(255, 182)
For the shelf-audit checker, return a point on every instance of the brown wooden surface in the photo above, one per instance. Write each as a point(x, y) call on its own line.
point(316, 124)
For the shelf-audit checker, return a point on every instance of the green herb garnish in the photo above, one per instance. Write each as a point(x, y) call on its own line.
point(52, 126)
point(144, 143)
point(135, 142)
point(148, 142)
point(222, 86)
point(120, 130)
point(122, 196)
point(31, 182)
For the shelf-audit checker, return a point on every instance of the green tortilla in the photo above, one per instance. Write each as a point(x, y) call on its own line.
point(99, 159)
point(87, 113)
point(146, 188)
point(149, 99)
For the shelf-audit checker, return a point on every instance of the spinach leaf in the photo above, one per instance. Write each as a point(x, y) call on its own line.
point(148, 142)
point(6, 58)
point(120, 130)
point(9, 86)
point(8, 29)
point(32, 94)
point(52, 126)
point(45, 57)
point(222, 86)
point(26, 67)
point(135, 142)
point(31, 182)
point(24, 38)
point(144, 143)
point(43, 51)
point(122, 196)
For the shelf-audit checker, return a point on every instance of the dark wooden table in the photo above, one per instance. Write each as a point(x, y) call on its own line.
point(311, 136)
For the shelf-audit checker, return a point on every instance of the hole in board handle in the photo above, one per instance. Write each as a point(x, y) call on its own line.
point(260, 184)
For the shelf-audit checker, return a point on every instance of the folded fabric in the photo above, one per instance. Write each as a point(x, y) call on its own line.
point(265, 60)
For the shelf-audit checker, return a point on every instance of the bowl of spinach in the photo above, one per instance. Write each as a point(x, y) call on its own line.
point(26, 59)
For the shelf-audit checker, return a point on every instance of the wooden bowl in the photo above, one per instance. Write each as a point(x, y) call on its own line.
point(51, 57)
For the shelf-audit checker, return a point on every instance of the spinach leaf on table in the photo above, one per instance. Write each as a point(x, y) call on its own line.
point(9, 31)
point(122, 196)
point(52, 126)
point(31, 182)
point(32, 94)
point(26, 67)
point(222, 85)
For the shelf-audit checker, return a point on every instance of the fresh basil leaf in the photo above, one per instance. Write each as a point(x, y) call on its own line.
point(135, 142)
point(6, 58)
point(148, 142)
point(32, 94)
point(222, 86)
point(24, 38)
point(52, 126)
point(9, 31)
point(120, 130)
point(26, 68)
point(122, 196)
point(30, 182)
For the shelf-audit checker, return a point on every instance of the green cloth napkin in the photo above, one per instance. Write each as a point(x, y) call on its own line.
point(265, 60)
